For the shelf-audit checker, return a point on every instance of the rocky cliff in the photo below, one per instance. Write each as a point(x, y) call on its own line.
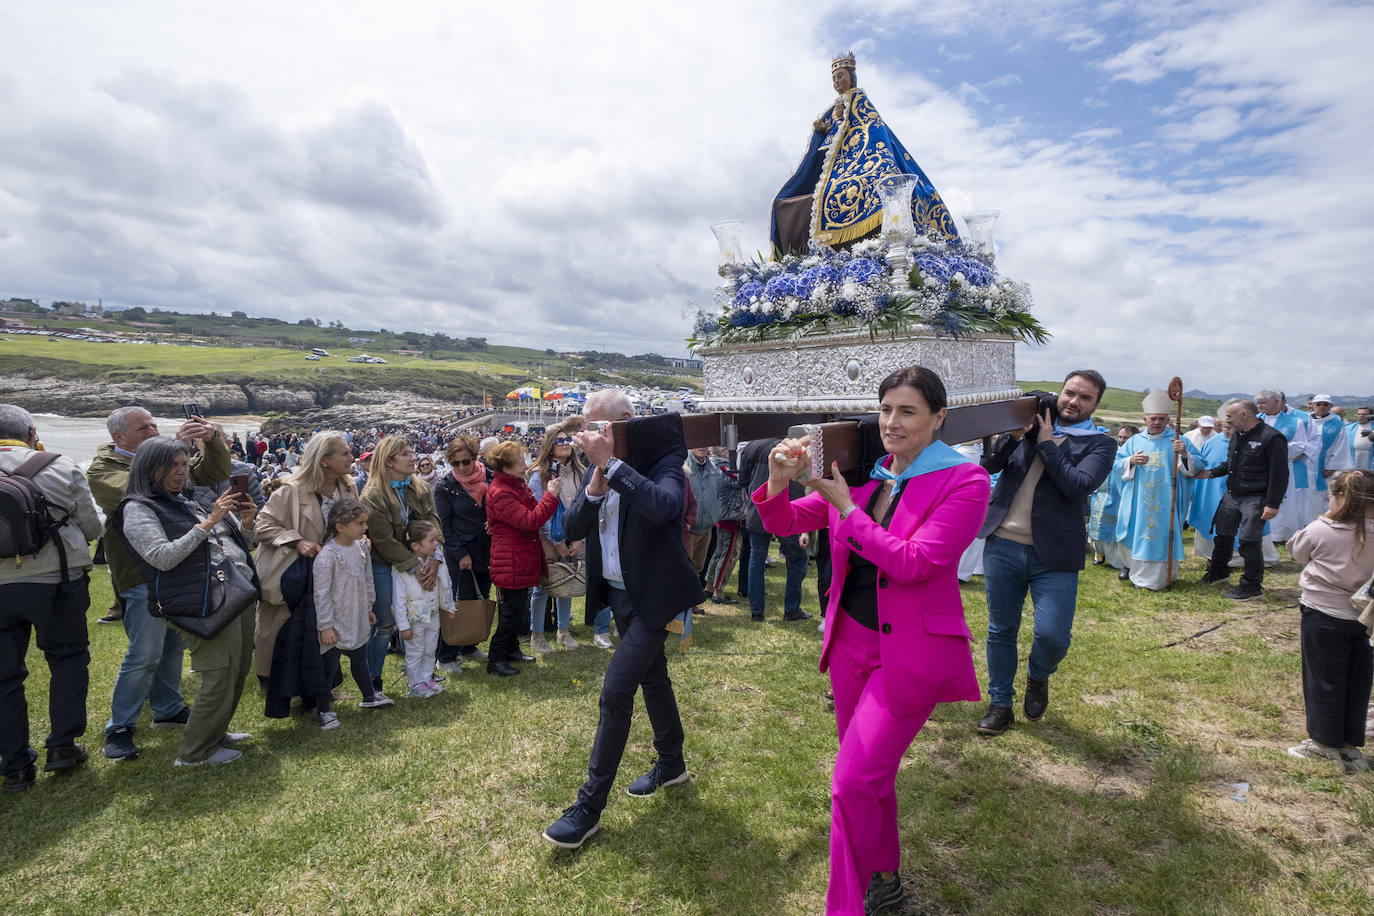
point(335, 405)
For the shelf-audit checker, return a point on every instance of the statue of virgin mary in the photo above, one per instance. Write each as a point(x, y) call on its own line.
point(833, 196)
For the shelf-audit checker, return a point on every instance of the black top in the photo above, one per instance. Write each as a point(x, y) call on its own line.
point(860, 596)
point(1256, 463)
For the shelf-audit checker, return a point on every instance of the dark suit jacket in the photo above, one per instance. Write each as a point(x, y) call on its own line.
point(1073, 470)
point(659, 576)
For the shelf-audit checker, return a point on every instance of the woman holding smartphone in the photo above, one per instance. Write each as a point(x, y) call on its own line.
point(895, 642)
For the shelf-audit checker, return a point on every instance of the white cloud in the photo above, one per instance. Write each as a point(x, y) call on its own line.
point(544, 174)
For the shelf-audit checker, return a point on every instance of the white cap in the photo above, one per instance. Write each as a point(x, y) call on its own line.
point(1206, 423)
point(1157, 401)
point(1322, 399)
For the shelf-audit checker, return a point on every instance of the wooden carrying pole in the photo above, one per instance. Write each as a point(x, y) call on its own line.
point(1176, 395)
point(840, 439)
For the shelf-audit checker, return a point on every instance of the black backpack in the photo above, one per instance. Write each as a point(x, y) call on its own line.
point(27, 519)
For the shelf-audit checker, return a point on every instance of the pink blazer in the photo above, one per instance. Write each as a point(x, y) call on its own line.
point(923, 639)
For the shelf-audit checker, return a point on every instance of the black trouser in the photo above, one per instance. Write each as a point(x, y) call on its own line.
point(56, 614)
point(743, 561)
point(464, 589)
point(639, 661)
point(511, 605)
point(1239, 514)
point(357, 666)
point(1337, 670)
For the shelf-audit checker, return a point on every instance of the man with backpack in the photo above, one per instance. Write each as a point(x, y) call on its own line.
point(47, 519)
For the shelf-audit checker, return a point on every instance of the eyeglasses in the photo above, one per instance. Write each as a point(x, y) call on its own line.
point(562, 440)
point(462, 464)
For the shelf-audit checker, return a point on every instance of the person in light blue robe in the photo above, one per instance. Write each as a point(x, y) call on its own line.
point(1142, 522)
point(1102, 517)
point(1361, 452)
point(1207, 494)
point(1302, 450)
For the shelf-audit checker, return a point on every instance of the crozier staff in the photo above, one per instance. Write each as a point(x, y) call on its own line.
point(896, 642)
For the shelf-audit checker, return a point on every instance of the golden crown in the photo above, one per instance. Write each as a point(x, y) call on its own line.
point(844, 61)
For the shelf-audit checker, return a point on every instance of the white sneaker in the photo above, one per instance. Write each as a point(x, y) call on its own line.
point(232, 738)
point(539, 645)
point(602, 641)
point(453, 667)
point(378, 700)
point(222, 755)
point(328, 721)
point(566, 641)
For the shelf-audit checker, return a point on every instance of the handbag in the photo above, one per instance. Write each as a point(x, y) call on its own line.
point(228, 594)
point(470, 620)
point(566, 578)
point(1363, 603)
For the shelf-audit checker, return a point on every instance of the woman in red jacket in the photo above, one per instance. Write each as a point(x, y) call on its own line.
point(517, 558)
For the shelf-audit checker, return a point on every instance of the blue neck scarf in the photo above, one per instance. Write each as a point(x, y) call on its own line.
point(400, 487)
point(1083, 428)
point(937, 456)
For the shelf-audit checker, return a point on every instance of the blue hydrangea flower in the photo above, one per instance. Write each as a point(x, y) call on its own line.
point(935, 267)
point(780, 287)
point(862, 269)
point(747, 292)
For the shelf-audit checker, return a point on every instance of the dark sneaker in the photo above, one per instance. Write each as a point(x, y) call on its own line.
point(21, 781)
point(61, 759)
point(1209, 577)
point(1244, 592)
point(996, 721)
point(657, 776)
point(1124, 575)
point(722, 599)
point(575, 827)
point(175, 721)
point(1037, 698)
point(883, 893)
point(119, 744)
point(798, 614)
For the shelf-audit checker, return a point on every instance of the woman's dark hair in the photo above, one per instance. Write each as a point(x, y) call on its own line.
point(920, 378)
point(154, 458)
point(343, 512)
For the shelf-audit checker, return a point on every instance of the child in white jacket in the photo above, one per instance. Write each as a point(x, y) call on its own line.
point(417, 611)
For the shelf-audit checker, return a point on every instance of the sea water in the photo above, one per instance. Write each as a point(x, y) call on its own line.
point(79, 437)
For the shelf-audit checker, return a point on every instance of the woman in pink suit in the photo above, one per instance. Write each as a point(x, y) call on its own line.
point(895, 638)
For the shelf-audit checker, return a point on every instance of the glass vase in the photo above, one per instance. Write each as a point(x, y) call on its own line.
point(727, 233)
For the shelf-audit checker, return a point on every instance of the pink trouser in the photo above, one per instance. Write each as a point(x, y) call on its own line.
point(863, 794)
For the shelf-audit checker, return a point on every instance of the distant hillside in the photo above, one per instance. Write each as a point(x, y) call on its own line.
point(1123, 404)
point(1299, 400)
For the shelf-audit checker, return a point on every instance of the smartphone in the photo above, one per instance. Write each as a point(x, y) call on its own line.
point(554, 468)
point(238, 485)
point(596, 426)
point(191, 410)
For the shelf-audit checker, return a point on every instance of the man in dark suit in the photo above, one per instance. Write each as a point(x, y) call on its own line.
point(1036, 539)
point(630, 513)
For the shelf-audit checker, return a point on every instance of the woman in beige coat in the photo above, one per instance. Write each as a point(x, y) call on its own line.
point(291, 525)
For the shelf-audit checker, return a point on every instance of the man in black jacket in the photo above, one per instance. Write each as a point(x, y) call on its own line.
point(630, 513)
point(1036, 539)
point(1256, 472)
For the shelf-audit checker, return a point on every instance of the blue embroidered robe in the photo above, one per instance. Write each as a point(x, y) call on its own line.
point(1142, 518)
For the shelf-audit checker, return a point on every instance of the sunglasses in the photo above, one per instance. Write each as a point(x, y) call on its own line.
point(562, 440)
point(462, 464)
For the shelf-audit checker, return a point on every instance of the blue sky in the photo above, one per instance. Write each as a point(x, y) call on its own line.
point(1184, 184)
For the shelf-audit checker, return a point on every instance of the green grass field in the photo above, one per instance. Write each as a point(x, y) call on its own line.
point(1119, 801)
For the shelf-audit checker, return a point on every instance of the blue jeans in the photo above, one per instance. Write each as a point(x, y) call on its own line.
point(538, 600)
point(1009, 571)
point(601, 623)
point(151, 669)
point(386, 619)
point(796, 571)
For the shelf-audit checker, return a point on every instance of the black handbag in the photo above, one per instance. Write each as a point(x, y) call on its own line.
point(228, 593)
